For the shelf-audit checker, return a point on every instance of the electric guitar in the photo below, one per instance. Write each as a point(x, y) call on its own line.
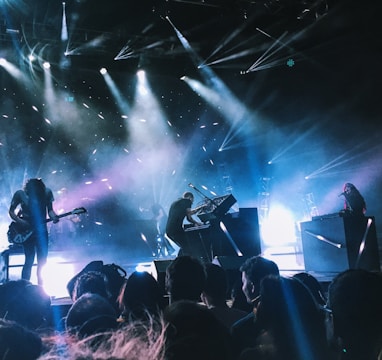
point(16, 235)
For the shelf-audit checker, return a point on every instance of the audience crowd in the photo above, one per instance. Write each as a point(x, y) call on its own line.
point(194, 315)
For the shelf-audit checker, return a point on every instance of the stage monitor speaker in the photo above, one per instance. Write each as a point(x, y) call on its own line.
point(158, 271)
point(335, 244)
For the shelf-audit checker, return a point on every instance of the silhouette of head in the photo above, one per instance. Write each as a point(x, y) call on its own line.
point(90, 314)
point(140, 296)
point(185, 278)
point(253, 271)
point(195, 333)
point(355, 298)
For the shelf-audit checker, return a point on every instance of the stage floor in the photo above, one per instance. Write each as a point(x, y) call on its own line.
point(64, 264)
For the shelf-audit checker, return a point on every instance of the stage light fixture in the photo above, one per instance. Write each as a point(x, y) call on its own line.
point(103, 71)
point(46, 65)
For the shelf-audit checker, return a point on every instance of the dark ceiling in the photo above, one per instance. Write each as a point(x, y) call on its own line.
point(331, 34)
point(213, 28)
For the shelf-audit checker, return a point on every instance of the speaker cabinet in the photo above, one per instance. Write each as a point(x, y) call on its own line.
point(237, 234)
point(334, 244)
point(158, 271)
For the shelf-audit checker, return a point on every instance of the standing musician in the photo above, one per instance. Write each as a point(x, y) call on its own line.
point(179, 210)
point(354, 202)
point(32, 204)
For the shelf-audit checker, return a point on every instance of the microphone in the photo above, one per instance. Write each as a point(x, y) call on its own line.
point(343, 193)
point(190, 185)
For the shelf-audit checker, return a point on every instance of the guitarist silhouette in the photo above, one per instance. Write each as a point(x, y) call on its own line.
point(29, 209)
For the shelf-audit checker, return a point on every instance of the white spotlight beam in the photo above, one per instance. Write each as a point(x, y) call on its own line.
point(335, 162)
point(14, 71)
point(92, 44)
point(121, 102)
point(197, 60)
point(218, 94)
point(64, 28)
point(292, 143)
point(276, 41)
point(229, 38)
point(267, 54)
point(230, 57)
point(127, 52)
point(226, 103)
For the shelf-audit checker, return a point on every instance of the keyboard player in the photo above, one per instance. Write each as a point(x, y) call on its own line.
point(180, 210)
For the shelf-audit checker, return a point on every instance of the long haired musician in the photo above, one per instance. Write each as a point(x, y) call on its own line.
point(354, 202)
point(29, 209)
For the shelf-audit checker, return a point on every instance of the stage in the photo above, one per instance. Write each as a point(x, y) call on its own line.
point(327, 246)
point(64, 264)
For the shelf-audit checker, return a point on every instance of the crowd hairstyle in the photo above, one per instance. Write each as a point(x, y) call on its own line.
point(216, 281)
point(194, 332)
point(355, 297)
point(18, 342)
point(185, 278)
point(134, 341)
point(140, 296)
point(313, 285)
point(258, 267)
point(290, 315)
point(90, 314)
point(94, 282)
point(25, 303)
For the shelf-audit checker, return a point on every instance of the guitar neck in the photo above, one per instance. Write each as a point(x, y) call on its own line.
point(59, 216)
point(73, 212)
point(19, 236)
